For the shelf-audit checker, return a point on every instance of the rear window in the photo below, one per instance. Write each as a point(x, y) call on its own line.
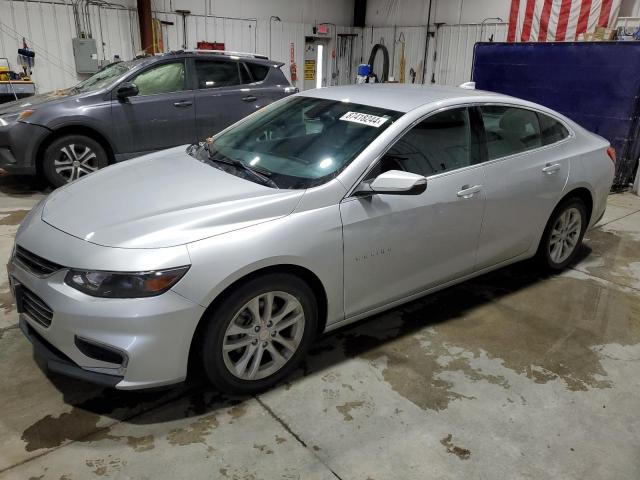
point(551, 130)
point(258, 72)
point(510, 130)
point(216, 73)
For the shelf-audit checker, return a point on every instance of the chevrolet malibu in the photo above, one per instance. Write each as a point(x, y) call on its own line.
point(321, 209)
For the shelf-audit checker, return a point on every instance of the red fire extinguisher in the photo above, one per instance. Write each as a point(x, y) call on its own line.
point(292, 68)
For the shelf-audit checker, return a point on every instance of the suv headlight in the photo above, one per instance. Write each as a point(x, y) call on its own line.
point(124, 284)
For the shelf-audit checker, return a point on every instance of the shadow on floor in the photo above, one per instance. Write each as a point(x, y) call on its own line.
point(23, 185)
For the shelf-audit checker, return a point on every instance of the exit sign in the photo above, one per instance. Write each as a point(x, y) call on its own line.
point(322, 28)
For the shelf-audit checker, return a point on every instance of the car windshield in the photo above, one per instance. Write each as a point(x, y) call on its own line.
point(302, 142)
point(104, 77)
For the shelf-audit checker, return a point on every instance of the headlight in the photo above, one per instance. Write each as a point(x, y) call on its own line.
point(122, 284)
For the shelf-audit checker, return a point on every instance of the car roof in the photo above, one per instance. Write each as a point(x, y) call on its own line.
point(399, 97)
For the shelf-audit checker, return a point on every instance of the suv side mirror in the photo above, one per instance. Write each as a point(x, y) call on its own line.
point(394, 182)
point(126, 90)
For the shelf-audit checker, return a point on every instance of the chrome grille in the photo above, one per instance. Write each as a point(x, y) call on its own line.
point(35, 264)
point(35, 307)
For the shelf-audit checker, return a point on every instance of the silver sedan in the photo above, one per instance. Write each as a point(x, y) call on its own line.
point(319, 210)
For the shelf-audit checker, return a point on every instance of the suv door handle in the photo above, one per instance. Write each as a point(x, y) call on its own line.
point(182, 103)
point(551, 168)
point(468, 192)
point(249, 98)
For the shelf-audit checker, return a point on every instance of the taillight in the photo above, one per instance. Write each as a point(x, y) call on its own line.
point(612, 154)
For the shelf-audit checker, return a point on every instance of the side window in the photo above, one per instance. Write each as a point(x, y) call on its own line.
point(244, 74)
point(258, 72)
point(552, 131)
point(440, 143)
point(165, 78)
point(510, 130)
point(215, 74)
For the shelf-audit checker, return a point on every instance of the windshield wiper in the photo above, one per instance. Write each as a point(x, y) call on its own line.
point(219, 158)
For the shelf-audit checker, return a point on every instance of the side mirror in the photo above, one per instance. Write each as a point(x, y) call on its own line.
point(395, 182)
point(126, 90)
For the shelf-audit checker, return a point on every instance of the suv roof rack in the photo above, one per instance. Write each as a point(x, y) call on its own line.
point(224, 52)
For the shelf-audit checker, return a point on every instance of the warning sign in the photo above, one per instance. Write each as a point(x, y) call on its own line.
point(309, 69)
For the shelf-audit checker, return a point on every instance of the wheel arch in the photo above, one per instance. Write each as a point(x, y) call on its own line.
point(305, 274)
point(583, 193)
point(73, 130)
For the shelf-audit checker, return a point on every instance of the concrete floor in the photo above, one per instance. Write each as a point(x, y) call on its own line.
point(508, 376)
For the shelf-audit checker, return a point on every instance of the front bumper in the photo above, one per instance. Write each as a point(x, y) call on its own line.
point(58, 362)
point(152, 336)
point(19, 143)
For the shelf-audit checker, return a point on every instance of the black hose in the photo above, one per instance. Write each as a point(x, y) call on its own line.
point(385, 63)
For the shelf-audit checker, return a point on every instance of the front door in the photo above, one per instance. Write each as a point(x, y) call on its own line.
point(398, 245)
point(162, 115)
point(526, 172)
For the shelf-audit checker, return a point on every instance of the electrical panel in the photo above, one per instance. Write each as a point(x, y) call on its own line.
point(85, 53)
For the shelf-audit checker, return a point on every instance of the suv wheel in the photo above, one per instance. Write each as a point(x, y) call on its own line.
point(71, 157)
point(563, 234)
point(259, 333)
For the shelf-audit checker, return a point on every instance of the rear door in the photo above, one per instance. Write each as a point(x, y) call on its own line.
point(223, 94)
point(526, 172)
point(162, 115)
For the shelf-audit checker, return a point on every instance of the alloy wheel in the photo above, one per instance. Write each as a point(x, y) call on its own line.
point(565, 235)
point(74, 161)
point(263, 335)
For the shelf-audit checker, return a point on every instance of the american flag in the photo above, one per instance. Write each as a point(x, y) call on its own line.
point(558, 20)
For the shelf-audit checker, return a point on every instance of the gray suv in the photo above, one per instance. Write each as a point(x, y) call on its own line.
point(131, 108)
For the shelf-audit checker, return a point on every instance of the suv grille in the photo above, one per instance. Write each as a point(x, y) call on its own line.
point(35, 307)
point(34, 263)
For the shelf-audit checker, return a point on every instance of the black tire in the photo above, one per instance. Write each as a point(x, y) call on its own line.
point(82, 154)
point(544, 255)
point(223, 314)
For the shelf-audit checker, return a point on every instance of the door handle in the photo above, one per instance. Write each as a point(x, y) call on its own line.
point(468, 192)
point(182, 103)
point(249, 98)
point(551, 168)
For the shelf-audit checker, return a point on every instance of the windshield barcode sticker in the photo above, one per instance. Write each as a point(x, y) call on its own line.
point(363, 118)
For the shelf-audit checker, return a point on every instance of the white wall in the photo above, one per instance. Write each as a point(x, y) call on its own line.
point(381, 13)
point(49, 26)
point(339, 12)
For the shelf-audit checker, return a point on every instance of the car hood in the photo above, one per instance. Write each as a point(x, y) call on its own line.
point(34, 101)
point(160, 200)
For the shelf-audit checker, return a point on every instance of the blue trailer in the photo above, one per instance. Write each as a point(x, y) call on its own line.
point(596, 84)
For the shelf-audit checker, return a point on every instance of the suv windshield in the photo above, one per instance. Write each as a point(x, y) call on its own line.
point(105, 76)
point(302, 142)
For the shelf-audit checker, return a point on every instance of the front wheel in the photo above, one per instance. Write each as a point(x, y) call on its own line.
point(259, 333)
point(563, 234)
point(71, 157)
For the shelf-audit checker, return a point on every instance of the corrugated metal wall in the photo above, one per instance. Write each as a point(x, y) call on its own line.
point(414, 43)
point(49, 28)
point(454, 49)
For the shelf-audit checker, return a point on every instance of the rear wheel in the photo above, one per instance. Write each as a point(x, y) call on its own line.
point(259, 333)
point(71, 157)
point(563, 234)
